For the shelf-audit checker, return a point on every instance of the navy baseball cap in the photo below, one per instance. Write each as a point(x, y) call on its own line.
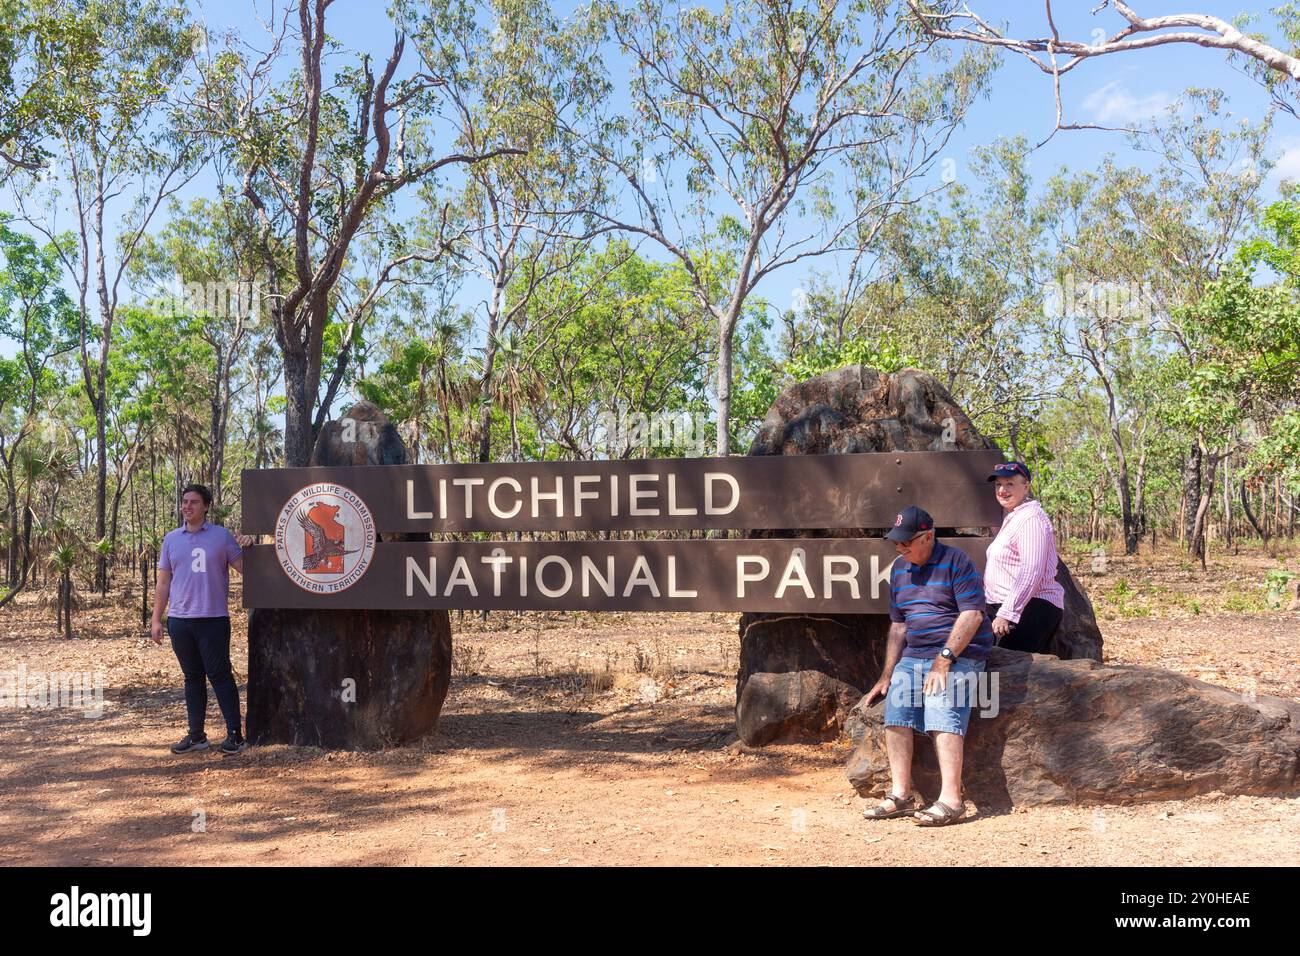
point(909, 523)
point(1009, 469)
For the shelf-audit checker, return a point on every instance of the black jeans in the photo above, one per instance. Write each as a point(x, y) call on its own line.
point(1035, 629)
point(202, 645)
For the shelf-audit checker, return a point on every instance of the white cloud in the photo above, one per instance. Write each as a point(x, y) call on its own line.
point(1113, 105)
point(1288, 162)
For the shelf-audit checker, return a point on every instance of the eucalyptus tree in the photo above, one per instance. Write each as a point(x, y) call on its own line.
point(39, 42)
point(261, 435)
point(1275, 63)
point(770, 133)
point(118, 156)
point(1134, 248)
point(633, 347)
point(518, 220)
point(1247, 337)
point(317, 159)
point(38, 316)
point(160, 382)
point(1073, 476)
point(198, 269)
point(960, 290)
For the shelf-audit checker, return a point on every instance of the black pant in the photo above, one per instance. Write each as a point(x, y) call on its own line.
point(202, 645)
point(1035, 629)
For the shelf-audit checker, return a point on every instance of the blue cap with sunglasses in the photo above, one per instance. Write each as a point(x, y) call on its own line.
point(1009, 469)
point(909, 523)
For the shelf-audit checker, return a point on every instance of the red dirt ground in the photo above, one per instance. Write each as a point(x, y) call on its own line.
point(576, 740)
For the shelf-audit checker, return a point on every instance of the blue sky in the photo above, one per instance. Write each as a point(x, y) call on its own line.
point(1112, 90)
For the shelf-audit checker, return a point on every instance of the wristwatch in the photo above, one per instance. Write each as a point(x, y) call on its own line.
point(948, 655)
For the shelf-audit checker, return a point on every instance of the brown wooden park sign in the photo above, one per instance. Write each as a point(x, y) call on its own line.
point(327, 524)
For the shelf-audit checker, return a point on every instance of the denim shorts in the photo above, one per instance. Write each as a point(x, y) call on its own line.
point(947, 711)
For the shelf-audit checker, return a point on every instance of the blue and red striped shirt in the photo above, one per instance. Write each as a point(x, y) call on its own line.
point(928, 598)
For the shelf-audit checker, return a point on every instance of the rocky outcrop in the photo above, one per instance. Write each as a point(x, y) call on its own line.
point(1078, 637)
point(348, 679)
point(799, 676)
point(857, 409)
point(1081, 732)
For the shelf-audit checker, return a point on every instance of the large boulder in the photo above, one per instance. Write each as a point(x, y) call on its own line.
point(1081, 732)
point(348, 679)
point(800, 676)
point(856, 409)
point(1078, 637)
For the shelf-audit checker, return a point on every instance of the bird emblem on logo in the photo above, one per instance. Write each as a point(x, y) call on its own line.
point(324, 536)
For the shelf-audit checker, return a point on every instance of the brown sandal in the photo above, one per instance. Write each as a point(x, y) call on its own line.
point(902, 807)
point(939, 815)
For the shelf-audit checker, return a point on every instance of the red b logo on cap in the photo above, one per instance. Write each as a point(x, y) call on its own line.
point(898, 519)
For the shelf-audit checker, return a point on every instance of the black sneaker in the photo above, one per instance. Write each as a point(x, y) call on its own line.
point(190, 742)
point(233, 744)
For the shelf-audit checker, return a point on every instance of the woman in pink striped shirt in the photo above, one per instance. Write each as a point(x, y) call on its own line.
point(1025, 600)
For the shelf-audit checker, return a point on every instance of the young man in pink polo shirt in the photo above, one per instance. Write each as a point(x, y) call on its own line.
point(194, 578)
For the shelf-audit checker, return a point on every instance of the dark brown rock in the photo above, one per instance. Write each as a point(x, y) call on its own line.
point(799, 676)
point(374, 440)
point(1081, 732)
point(858, 409)
point(1078, 637)
point(346, 680)
point(352, 680)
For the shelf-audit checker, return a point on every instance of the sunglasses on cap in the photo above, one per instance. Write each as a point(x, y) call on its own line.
point(1008, 469)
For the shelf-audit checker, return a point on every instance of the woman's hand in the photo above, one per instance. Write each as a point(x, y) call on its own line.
point(1001, 627)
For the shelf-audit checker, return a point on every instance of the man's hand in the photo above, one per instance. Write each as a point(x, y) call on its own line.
point(881, 687)
point(936, 681)
point(245, 540)
point(156, 632)
point(1001, 627)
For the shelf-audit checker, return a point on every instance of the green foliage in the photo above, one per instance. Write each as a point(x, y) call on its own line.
point(885, 355)
point(756, 379)
point(522, 304)
point(631, 338)
point(39, 42)
point(1276, 582)
point(1247, 341)
point(35, 311)
point(1246, 602)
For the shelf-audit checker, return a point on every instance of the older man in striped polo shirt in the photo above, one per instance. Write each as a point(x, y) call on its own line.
point(938, 644)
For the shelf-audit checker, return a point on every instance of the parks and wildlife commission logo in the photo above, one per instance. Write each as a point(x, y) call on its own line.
point(325, 538)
